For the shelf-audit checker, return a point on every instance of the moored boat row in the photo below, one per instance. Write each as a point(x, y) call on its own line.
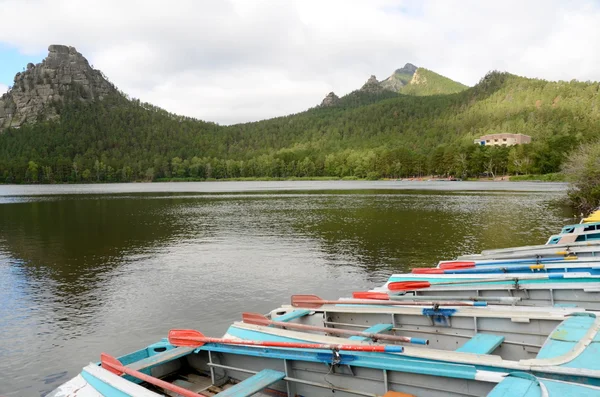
point(523, 321)
point(471, 351)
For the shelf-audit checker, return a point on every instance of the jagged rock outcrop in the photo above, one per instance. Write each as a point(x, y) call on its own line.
point(64, 72)
point(409, 68)
point(372, 85)
point(418, 78)
point(400, 78)
point(330, 100)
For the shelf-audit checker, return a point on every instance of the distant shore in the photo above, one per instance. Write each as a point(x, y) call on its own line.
point(556, 177)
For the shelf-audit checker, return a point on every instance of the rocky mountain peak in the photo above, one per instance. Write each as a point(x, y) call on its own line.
point(63, 72)
point(372, 85)
point(409, 68)
point(330, 100)
point(399, 78)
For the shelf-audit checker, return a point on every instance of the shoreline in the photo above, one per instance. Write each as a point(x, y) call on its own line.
point(505, 178)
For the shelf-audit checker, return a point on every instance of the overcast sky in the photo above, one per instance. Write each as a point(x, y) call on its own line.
point(232, 61)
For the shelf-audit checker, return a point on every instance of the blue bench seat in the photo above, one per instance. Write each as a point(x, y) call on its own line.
point(161, 358)
point(253, 384)
point(292, 315)
point(376, 329)
point(481, 344)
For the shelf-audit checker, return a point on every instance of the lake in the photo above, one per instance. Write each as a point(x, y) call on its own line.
point(91, 268)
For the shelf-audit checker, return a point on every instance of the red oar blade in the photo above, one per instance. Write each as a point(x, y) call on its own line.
point(307, 301)
point(408, 285)
point(110, 363)
point(456, 265)
point(370, 295)
point(427, 270)
point(255, 318)
point(185, 338)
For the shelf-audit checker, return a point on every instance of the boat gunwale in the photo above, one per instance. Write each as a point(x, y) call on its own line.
point(551, 366)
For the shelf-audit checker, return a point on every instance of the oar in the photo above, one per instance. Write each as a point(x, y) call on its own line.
point(193, 338)
point(478, 269)
point(113, 365)
point(463, 264)
point(259, 319)
point(314, 302)
point(493, 269)
point(383, 296)
point(411, 285)
point(456, 264)
point(533, 254)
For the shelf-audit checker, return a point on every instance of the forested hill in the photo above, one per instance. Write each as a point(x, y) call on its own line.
point(407, 135)
point(426, 82)
point(116, 139)
point(408, 80)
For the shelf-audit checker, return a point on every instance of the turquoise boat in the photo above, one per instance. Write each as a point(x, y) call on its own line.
point(578, 235)
point(580, 249)
point(491, 340)
point(527, 266)
point(574, 289)
point(228, 370)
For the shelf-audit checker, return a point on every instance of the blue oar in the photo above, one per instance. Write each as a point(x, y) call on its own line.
point(479, 270)
point(420, 284)
point(442, 265)
point(507, 269)
point(525, 269)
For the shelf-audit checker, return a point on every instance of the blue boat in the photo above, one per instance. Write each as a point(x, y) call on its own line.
point(580, 249)
point(493, 344)
point(228, 370)
point(581, 239)
point(591, 268)
point(570, 290)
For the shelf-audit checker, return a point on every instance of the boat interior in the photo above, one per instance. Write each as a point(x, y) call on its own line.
point(225, 371)
point(581, 292)
point(507, 333)
point(238, 370)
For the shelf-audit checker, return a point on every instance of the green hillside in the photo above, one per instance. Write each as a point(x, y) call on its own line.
point(426, 82)
point(370, 136)
point(422, 82)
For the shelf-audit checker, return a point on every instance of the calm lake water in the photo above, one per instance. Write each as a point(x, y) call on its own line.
point(92, 268)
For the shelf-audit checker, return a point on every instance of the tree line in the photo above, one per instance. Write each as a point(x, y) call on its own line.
point(364, 136)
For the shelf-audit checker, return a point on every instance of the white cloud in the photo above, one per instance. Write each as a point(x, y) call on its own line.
point(234, 61)
point(3, 88)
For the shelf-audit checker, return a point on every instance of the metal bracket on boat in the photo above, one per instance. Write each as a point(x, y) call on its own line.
point(516, 281)
point(439, 317)
point(336, 359)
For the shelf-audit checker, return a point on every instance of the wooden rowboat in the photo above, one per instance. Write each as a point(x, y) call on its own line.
point(575, 289)
point(187, 368)
point(561, 345)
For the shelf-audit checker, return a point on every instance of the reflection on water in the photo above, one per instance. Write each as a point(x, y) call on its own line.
point(81, 274)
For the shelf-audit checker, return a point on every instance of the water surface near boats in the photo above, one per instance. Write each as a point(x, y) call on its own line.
point(91, 268)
